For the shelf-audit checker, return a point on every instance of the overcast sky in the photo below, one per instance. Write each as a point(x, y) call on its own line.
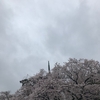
point(35, 31)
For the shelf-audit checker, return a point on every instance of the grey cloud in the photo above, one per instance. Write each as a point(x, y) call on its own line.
point(7, 49)
point(75, 34)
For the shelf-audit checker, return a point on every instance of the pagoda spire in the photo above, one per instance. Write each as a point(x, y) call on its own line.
point(48, 67)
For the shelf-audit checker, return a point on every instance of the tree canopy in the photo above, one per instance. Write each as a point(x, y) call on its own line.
point(75, 80)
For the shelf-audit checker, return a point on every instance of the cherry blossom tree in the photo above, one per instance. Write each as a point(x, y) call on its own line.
point(75, 80)
point(5, 95)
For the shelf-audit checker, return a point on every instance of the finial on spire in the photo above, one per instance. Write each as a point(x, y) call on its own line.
point(48, 67)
